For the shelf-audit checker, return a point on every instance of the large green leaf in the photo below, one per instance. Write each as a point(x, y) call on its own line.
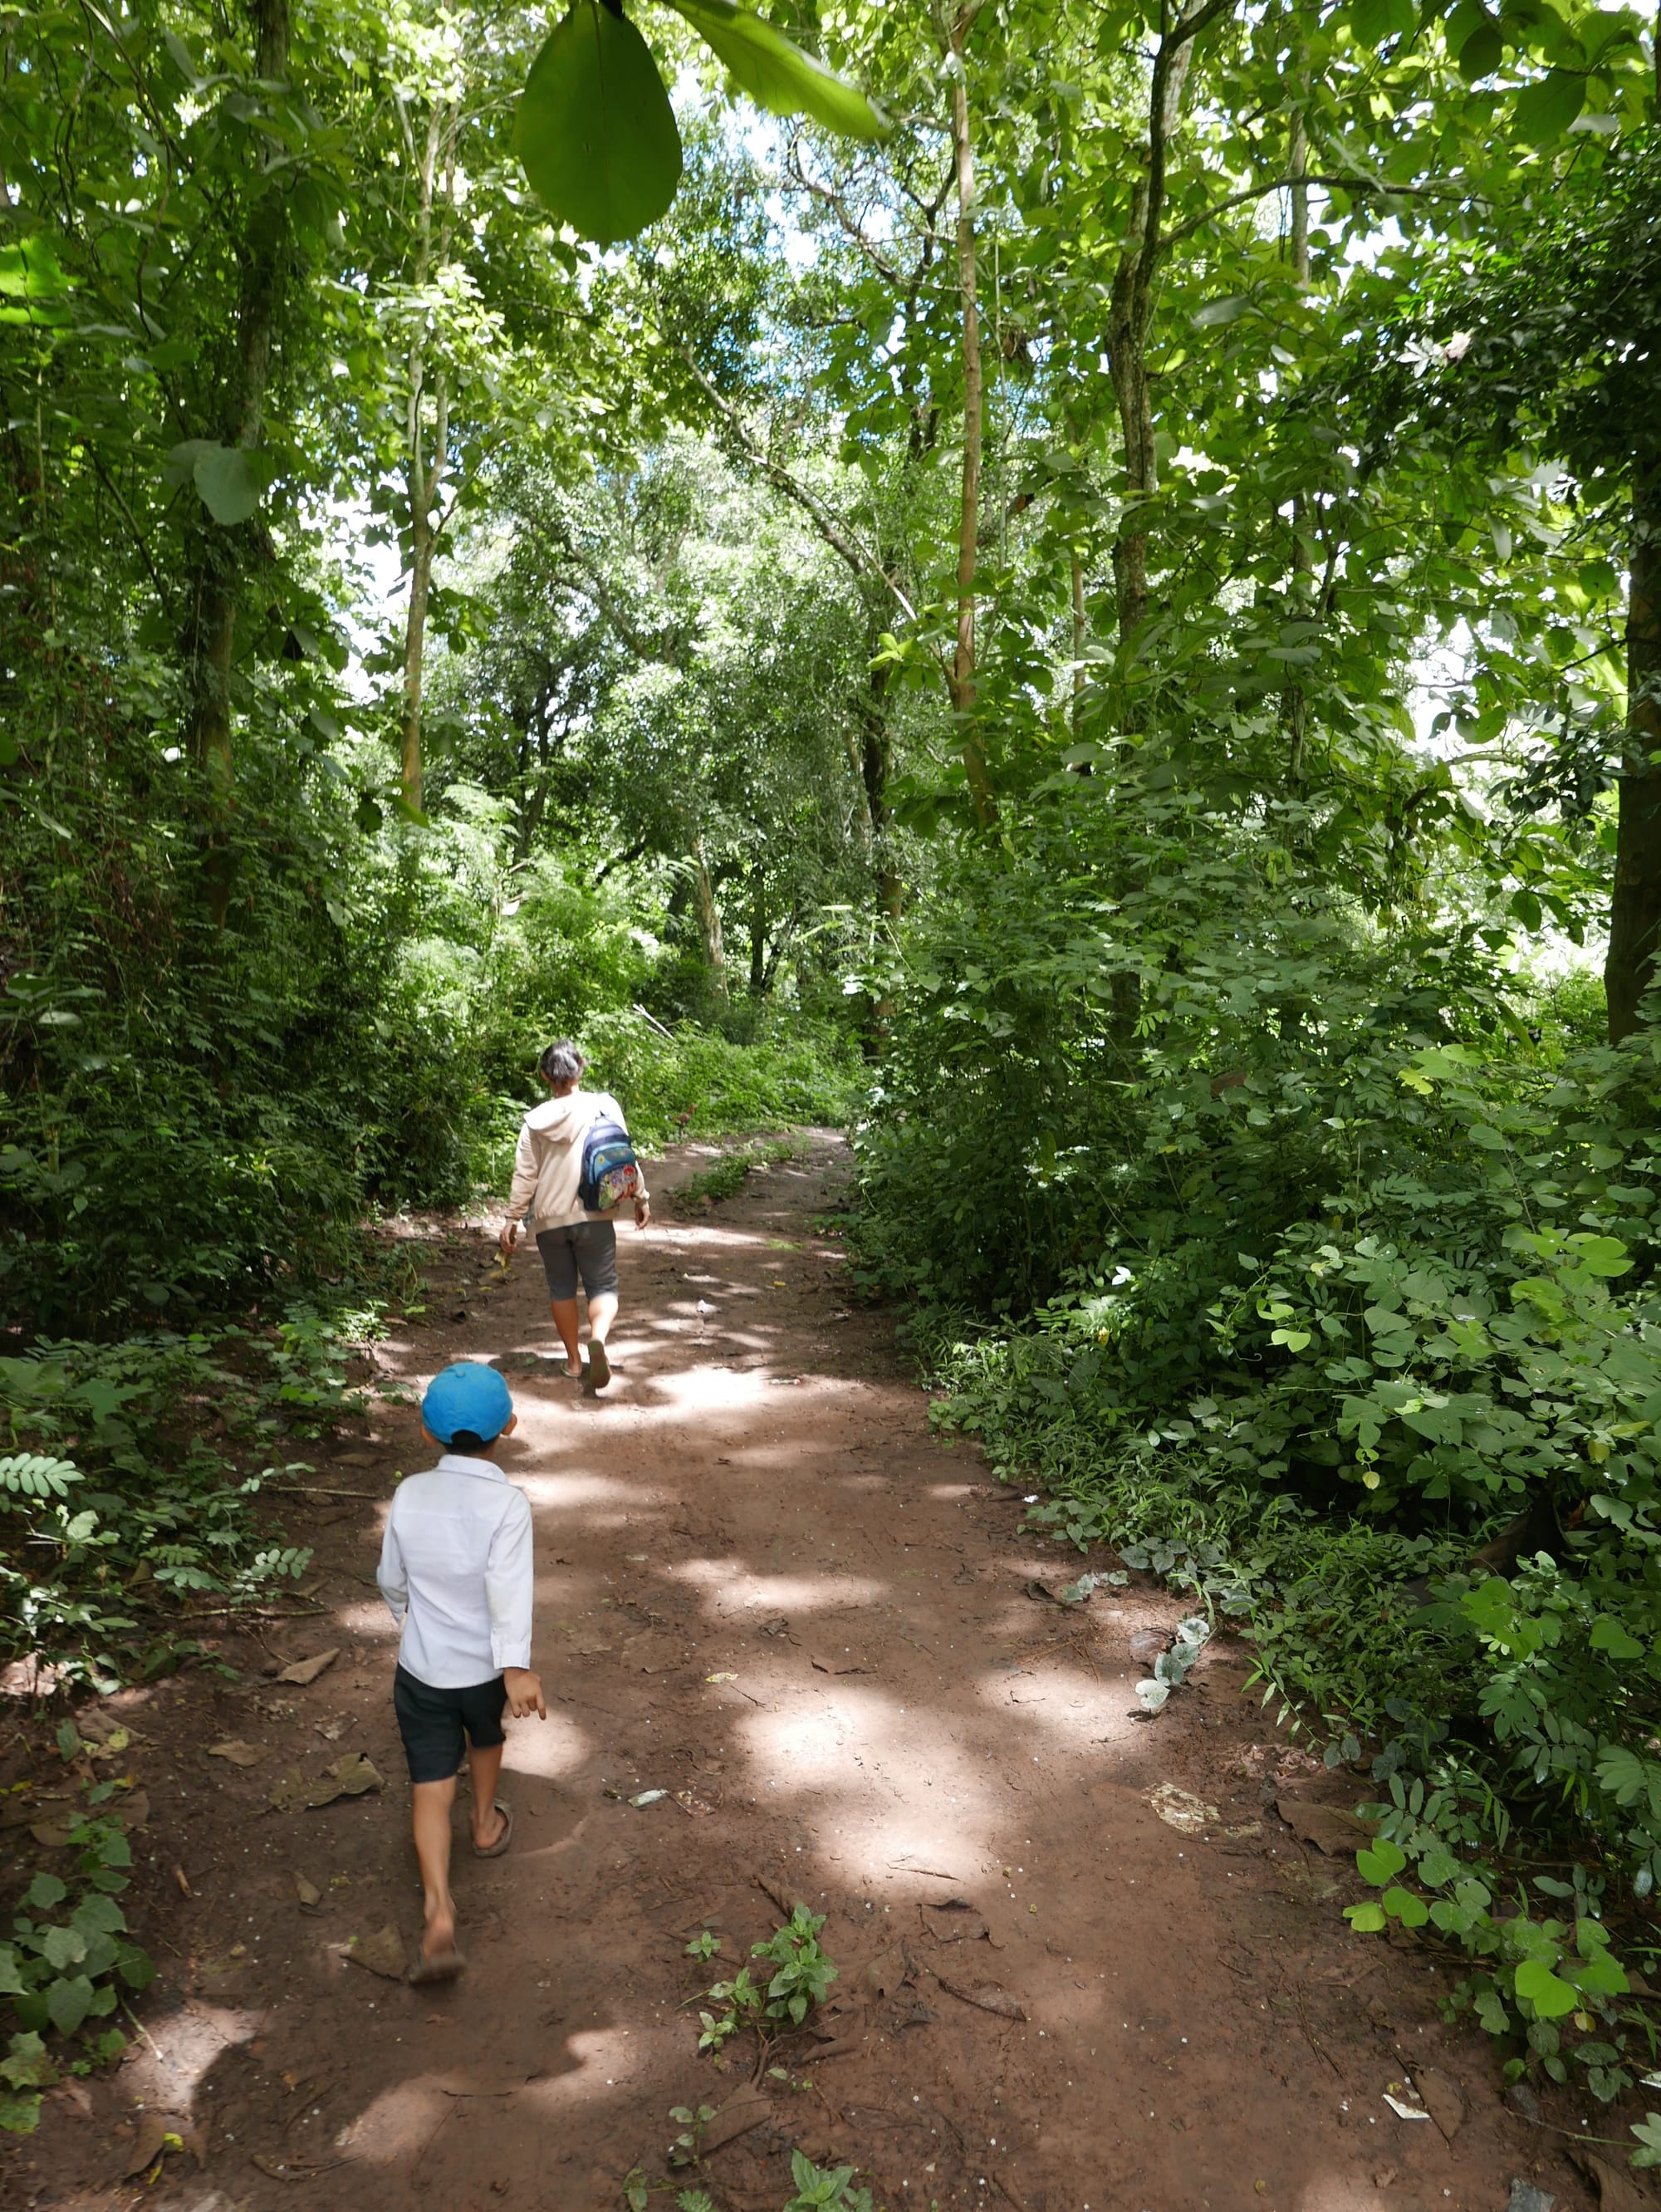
point(776, 73)
point(595, 130)
point(1546, 108)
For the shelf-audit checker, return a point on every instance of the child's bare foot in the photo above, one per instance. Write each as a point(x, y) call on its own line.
point(492, 1830)
point(439, 1960)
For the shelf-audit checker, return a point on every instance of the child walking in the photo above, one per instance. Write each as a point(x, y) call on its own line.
point(456, 1570)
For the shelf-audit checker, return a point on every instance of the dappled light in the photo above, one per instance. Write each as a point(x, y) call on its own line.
point(878, 789)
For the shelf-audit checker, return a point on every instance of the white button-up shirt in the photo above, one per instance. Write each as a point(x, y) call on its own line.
point(456, 1570)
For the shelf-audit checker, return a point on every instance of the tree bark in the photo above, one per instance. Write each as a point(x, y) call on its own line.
point(211, 639)
point(758, 927)
point(425, 479)
point(1635, 902)
point(709, 922)
point(961, 681)
point(1294, 704)
point(1130, 310)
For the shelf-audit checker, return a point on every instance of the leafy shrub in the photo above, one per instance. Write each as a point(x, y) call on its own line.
point(65, 1966)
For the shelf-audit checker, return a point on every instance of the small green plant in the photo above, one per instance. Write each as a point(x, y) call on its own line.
point(801, 1974)
point(694, 2200)
point(726, 1176)
point(704, 1946)
point(821, 2189)
point(687, 2146)
point(740, 2006)
point(62, 1970)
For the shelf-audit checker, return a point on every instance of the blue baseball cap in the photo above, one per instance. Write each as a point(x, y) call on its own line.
point(468, 1395)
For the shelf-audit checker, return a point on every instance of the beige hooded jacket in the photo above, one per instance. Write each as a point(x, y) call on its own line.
point(548, 1164)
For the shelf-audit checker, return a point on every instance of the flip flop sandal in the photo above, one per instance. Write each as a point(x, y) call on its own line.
point(441, 1967)
point(494, 1850)
point(599, 1367)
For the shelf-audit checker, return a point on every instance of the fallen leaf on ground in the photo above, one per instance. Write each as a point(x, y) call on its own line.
point(288, 1792)
point(239, 1752)
point(1525, 2198)
point(148, 2145)
point(1617, 2191)
point(132, 1811)
point(307, 1670)
point(1181, 1809)
point(52, 1834)
point(987, 1995)
point(721, 1678)
point(1443, 2099)
point(354, 1776)
point(847, 1663)
point(380, 1953)
point(777, 1627)
point(887, 1972)
point(742, 2111)
point(1149, 1643)
point(956, 1920)
point(195, 2140)
point(1404, 2112)
point(308, 1892)
point(354, 1459)
point(1329, 1827)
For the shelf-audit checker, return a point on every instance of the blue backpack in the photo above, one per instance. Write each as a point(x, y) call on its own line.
point(611, 1175)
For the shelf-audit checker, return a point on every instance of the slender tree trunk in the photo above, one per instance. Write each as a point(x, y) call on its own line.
point(1635, 903)
point(1294, 704)
point(1129, 317)
point(1078, 636)
point(210, 641)
point(960, 682)
point(873, 768)
point(758, 927)
point(424, 478)
point(709, 922)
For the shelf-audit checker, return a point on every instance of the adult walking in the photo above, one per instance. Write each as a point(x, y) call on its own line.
point(574, 1240)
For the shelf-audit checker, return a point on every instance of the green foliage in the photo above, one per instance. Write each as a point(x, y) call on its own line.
point(728, 1175)
point(595, 129)
point(154, 1513)
point(64, 1969)
point(802, 1973)
point(825, 2189)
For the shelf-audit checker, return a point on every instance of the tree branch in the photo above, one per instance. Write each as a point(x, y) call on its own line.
point(1359, 186)
point(864, 564)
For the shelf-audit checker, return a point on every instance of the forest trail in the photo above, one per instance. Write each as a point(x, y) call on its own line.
point(765, 1589)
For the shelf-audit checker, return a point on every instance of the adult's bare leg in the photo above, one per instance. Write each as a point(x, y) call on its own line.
point(485, 1767)
point(564, 1311)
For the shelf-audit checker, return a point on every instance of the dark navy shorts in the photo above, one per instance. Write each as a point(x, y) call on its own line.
point(438, 1725)
point(584, 1248)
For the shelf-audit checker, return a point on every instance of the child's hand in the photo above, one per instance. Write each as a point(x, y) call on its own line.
point(525, 1693)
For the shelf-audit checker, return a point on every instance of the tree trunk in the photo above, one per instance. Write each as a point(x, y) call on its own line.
point(1294, 705)
point(1635, 903)
point(211, 639)
point(425, 480)
point(709, 922)
point(873, 768)
point(1078, 637)
point(960, 682)
point(758, 927)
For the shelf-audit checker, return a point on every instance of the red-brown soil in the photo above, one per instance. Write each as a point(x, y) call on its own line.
point(766, 1589)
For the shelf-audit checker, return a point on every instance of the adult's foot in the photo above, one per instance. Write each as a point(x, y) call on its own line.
point(599, 1367)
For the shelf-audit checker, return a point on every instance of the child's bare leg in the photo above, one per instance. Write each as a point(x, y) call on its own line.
point(564, 1311)
point(601, 1312)
point(485, 1767)
point(430, 1819)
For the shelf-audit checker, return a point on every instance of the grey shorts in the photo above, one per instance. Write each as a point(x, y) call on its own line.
point(588, 1249)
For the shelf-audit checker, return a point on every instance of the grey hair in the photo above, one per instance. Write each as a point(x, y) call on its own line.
point(561, 1062)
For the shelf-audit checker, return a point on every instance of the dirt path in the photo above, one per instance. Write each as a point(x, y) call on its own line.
point(765, 1590)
